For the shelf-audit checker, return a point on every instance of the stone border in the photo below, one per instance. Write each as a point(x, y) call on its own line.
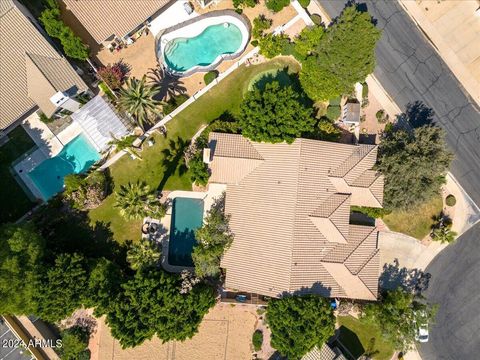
point(222, 16)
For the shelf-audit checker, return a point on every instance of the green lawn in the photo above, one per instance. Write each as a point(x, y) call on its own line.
point(15, 203)
point(416, 222)
point(165, 171)
point(359, 337)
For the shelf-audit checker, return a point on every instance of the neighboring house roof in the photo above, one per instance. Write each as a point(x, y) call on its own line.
point(31, 69)
point(105, 18)
point(351, 112)
point(290, 210)
point(325, 353)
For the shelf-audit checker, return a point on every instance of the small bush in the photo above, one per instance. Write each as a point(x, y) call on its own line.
point(260, 24)
point(317, 19)
point(450, 200)
point(273, 45)
point(73, 182)
point(257, 340)
point(113, 75)
point(335, 101)
point(254, 43)
point(45, 119)
point(382, 116)
point(210, 76)
point(304, 3)
point(364, 90)
point(333, 112)
point(277, 5)
point(238, 4)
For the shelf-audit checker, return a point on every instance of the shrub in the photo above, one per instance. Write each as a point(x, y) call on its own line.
point(277, 5)
point(304, 3)
point(317, 19)
point(73, 182)
point(55, 27)
point(86, 193)
point(450, 200)
point(254, 43)
point(382, 116)
point(273, 45)
point(198, 169)
point(257, 340)
point(333, 112)
point(210, 76)
point(112, 75)
point(45, 119)
point(335, 101)
point(369, 211)
point(260, 24)
point(364, 90)
point(237, 4)
point(74, 344)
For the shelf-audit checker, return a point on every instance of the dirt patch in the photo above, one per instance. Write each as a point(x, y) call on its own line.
point(225, 333)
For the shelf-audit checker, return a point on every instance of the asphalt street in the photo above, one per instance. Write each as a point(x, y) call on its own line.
point(410, 70)
point(454, 286)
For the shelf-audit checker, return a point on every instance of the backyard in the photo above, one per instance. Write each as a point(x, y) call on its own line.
point(15, 202)
point(361, 338)
point(416, 222)
point(162, 164)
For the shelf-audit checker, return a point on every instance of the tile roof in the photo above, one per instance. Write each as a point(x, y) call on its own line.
point(325, 353)
point(291, 224)
point(31, 69)
point(105, 18)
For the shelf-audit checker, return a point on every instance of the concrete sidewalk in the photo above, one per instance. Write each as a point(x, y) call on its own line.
point(452, 27)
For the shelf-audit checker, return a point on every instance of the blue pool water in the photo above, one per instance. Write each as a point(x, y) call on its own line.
point(187, 216)
point(76, 157)
point(183, 54)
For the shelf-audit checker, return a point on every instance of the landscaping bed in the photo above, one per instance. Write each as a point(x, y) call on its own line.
point(162, 166)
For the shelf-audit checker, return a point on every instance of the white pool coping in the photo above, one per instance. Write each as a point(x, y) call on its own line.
point(208, 197)
point(196, 28)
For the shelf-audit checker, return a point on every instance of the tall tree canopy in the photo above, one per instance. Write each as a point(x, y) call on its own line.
point(63, 288)
point(298, 323)
point(414, 163)
point(399, 315)
point(213, 238)
point(21, 249)
point(151, 303)
point(344, 55)
point(275, 114)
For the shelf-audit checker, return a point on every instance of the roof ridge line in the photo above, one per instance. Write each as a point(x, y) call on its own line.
point(39, 69)
point(354, 165)
point(360, 243)
point(363, 266)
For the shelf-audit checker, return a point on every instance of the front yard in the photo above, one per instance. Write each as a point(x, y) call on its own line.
point(161, 166)
point(416, 222)
point(360, 337)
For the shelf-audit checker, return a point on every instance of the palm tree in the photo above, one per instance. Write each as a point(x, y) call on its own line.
point(138, 99)
point(136, 201)
point(144, 253)
point(170, 85)
point(125, 143)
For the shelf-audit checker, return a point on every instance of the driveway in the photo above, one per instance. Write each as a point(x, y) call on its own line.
point(455, 285)
point(410, 70)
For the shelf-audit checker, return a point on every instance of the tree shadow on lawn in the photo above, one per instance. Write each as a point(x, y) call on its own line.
point(350, 340)
point(173, 160)
point(66, 230)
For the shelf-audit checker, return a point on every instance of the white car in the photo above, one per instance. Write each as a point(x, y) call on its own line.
point(422, 333)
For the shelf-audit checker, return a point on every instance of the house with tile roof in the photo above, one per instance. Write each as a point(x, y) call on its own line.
point(290, 215)
point(109, 19)
point(32, 70)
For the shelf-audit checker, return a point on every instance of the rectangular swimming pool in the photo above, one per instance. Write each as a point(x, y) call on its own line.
point(187, 216)
point(76, 157)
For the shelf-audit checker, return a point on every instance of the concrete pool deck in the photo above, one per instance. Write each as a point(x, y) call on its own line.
point(214, 192)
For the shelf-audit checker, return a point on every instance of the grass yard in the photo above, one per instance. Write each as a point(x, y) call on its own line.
point(360, 337)
point(15, 203)
point(162, 166)
point(416, 222)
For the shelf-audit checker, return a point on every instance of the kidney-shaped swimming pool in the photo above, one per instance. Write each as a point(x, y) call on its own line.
point(201, 44)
